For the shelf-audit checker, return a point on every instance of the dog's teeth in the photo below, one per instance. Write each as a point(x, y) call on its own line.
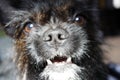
point(49, 62)
point(69, 60)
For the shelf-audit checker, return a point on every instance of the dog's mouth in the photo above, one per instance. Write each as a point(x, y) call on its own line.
point(59, 59)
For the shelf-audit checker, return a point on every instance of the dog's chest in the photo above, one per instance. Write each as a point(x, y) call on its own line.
point(61, 71)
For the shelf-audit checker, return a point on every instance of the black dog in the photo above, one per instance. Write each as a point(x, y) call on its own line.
point(55, 39)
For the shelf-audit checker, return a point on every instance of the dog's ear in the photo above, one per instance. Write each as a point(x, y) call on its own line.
point(8, 11)
point(4, 9)
point(5, 13)
point(8, 8)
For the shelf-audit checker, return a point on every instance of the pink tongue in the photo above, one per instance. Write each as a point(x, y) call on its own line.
point(58, 59)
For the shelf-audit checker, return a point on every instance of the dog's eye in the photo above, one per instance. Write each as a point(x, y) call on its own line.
point(28, 27)
point(79, 20)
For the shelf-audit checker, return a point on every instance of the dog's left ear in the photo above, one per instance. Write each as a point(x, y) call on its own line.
point(5, 14)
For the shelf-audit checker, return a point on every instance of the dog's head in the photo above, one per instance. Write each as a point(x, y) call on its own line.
point(53, 30)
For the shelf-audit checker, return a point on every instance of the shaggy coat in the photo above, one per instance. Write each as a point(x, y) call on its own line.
point(54, 39)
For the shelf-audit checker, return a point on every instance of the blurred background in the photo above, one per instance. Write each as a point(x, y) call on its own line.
point(110, 19)
point(110, 25)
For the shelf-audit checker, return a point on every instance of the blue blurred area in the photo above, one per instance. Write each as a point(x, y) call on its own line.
point(7, 67)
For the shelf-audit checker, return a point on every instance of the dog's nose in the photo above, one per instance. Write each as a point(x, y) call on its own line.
point(55, 36)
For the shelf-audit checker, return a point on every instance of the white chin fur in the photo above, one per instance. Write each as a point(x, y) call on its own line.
point(61, 71)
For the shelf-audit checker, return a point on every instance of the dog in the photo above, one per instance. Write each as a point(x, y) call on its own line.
point(55, 39)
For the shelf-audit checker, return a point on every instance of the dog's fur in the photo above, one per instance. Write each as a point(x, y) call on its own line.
point(62, 43)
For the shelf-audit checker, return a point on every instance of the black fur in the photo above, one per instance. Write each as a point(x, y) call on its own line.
point(17, 14)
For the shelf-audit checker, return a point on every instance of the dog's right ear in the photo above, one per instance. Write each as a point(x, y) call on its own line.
point(5, 14)
point(8, 11)
point(4, 19)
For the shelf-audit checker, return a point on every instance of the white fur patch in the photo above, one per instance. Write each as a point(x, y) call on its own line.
point(61, 71)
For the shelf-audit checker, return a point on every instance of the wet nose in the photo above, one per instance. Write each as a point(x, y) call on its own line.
point(56, 35)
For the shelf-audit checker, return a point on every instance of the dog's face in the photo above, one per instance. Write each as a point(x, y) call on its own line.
point(55, 31)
